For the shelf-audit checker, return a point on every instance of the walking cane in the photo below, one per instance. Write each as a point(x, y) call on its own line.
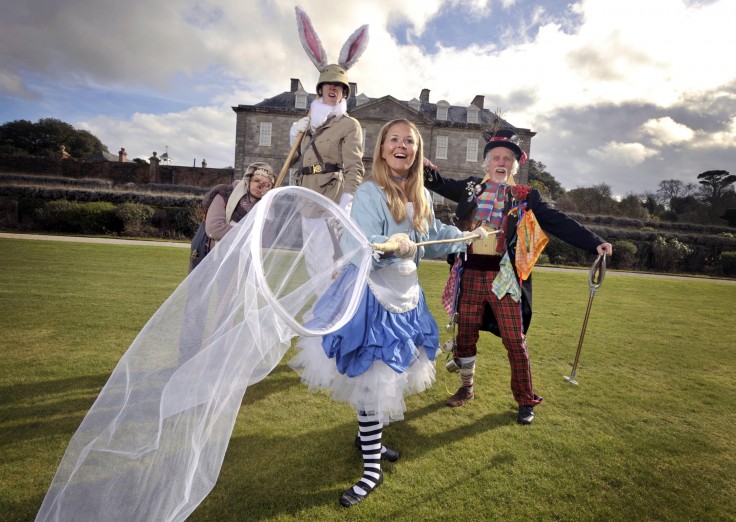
point(599, 266)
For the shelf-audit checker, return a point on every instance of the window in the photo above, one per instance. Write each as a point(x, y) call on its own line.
point(265, 138)
point(473, 114)
point(441, 152)
point(361, 99)
point(442, 107)
point(414, 104)
point(471, 153)
point(301, 101)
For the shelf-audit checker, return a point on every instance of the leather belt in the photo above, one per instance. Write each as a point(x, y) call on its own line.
point(321, 168)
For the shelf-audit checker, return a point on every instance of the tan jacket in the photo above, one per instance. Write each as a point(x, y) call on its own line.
point(340, 141)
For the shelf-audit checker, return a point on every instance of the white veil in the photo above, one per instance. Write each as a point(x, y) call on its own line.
point(152, 445)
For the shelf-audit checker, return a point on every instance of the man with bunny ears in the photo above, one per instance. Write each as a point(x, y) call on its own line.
point(332, 148)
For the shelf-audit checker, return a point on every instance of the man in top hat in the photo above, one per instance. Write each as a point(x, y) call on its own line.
point(490, 297)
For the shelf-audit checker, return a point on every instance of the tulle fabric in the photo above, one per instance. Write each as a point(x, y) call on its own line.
point(152, 445)
point(376, 359)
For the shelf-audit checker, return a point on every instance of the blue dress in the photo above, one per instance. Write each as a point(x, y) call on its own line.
point(387, 350)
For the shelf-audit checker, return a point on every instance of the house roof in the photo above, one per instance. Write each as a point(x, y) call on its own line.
point(456, 114)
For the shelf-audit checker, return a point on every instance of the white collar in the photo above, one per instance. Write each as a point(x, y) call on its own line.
point(320, 112)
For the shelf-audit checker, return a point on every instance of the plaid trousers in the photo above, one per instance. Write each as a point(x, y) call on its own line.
point(475, 292)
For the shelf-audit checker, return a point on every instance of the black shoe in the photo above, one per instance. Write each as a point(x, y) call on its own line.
point(349, 497)
point(526, 415)
point(390, 455)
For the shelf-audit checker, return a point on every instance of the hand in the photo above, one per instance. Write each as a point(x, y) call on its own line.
point(302, 125)
point(429, 164)
point(407, 247)
point(481, 232)
point(346, 202)
point(605, 248)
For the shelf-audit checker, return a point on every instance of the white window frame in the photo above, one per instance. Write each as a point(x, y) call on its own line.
point(442, 112)
point(415, 104)
point(264, 138)
point(471, 152)
point(441, 150)
point(473, 112)
point(300, 101)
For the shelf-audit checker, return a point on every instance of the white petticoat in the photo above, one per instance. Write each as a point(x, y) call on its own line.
point(379, 389)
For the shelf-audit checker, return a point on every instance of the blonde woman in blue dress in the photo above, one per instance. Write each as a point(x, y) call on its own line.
point(387, 351)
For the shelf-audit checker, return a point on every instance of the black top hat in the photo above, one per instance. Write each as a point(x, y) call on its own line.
point(504, 138)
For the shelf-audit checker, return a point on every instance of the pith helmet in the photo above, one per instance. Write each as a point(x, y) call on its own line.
point(334, 73)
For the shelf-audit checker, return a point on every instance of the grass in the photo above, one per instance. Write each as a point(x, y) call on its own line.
point(647, 435)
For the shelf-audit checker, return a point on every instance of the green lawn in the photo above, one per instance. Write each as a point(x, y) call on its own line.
point(647, 435)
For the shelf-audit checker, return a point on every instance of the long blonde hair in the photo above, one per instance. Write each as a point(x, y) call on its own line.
point(414, 192)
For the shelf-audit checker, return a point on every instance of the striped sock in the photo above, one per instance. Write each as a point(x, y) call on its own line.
point(370, 431)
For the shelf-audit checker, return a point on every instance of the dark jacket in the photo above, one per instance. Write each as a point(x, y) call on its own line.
point(551, 220)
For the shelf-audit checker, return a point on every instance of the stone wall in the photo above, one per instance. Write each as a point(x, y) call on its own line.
point(117, 172)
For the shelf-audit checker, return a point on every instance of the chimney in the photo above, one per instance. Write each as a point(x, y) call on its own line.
point(478, 101)
point(204, 163)
point(353, 88)
point(122, 155)
point(296, 85)
point(424, 97)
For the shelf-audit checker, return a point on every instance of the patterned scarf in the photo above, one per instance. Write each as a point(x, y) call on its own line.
point(490, 205)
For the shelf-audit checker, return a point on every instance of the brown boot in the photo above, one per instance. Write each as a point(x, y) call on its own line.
point(462, 395)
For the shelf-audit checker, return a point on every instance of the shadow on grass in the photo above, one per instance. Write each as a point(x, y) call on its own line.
point(48, 408)
point(287, 474)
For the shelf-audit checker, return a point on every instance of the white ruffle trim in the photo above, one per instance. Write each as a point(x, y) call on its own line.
point(380, 389)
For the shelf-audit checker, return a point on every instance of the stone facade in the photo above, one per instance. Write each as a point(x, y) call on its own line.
point(448, 131)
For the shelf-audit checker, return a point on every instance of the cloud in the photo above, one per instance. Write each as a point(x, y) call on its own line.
point(192, 135)
point(627, 154)
point(12, 84)
point(602, 85)
point(666, 131)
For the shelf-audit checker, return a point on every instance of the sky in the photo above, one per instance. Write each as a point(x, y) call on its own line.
point(623, 92)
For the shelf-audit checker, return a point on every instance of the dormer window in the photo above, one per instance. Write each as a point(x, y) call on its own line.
point(361, 99)
point(414, 104)
point(473, 112)
point(442, 107)
point(300, 99)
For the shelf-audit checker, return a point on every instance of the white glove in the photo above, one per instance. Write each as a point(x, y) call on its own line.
point(302, 125)
point(480, 231)
point(407, 247)
point(346, 202)
point(298, 127)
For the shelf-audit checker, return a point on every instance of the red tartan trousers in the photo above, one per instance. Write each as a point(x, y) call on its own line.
point(475, 292)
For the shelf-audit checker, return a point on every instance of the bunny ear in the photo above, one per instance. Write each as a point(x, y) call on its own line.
point(310, 41)
point(354, 47)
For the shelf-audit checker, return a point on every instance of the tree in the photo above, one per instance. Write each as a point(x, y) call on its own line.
point(714, 184)
point(45, 138)
point(594, 200)
point(537, 172)
point(651, 203)
point(673, 188)
point(633, 207)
